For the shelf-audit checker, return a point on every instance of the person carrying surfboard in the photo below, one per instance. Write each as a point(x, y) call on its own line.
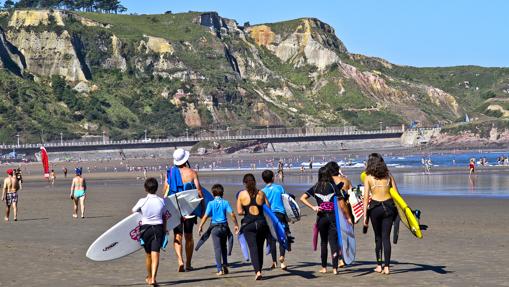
point(325, 193)
point(274, 194)
point(254, 226)
point(78, 193)
point(182, 177)
point(338, 178)
point(153, 227)
point(10, 195)
point(381, 210)
point(218, 209)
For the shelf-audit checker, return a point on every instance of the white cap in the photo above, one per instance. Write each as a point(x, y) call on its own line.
point(180, 156)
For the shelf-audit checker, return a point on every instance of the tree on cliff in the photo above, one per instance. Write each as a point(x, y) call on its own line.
point(104, 6)
point(8, 4)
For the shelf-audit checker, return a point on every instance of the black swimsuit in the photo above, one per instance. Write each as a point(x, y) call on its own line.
point(255, 231)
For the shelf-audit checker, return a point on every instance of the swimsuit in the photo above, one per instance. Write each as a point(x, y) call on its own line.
point(11, 197)
point(79, 189)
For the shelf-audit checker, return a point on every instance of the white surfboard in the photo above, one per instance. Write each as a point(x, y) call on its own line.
point(292, 209)
point(123, 238)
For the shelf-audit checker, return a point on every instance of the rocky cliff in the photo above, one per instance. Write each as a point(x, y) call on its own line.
point(124, 73)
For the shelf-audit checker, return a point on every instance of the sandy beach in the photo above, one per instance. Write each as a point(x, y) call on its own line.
point(465, 245)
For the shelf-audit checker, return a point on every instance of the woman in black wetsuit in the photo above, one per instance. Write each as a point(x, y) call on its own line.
point(254, 226)
point(381, 209)
point(323, 192)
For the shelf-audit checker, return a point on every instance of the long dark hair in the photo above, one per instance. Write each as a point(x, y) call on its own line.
point(324, 178)
point(376, 166)
point(250, 183)
point(333, 168)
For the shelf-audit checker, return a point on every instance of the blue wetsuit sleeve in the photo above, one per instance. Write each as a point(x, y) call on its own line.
point(228, 208)
point(208, 211)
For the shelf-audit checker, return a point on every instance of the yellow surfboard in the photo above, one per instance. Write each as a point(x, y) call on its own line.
point(405, 212)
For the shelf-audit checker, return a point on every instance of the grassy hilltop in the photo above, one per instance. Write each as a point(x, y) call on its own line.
point(84, 73)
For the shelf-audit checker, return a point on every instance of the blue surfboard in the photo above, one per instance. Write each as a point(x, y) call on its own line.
point(207, 197)
point(277, 229)
point(346, 236)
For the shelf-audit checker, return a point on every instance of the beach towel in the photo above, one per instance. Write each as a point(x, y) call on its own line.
point(174, 180)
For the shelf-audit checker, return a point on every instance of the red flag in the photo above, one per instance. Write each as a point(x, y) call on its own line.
point(45, 163)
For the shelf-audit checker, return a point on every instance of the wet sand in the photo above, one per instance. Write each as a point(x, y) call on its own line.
point(466, 244)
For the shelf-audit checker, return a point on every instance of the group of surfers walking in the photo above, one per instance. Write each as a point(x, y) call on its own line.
point(331, 185)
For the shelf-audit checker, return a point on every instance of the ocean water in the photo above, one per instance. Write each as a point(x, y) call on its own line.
point(447, 183)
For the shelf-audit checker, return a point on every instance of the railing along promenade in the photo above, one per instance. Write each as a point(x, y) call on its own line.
point(263, 135)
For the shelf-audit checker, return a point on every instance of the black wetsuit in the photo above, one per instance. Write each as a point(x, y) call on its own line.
point(382, 214)
point(326, 220)
point(255, 230)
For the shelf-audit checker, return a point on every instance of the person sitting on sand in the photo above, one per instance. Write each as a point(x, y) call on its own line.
point(381, 210)
point(10, 194)
point(153, 227)
point(78, 193)
point(218, 209)
point(185, 229)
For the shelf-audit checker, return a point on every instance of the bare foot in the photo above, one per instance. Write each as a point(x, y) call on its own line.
point(283, 266)
point(335, 271)
point(181, 268)
point(341, 264)
point(378, 269)
point(220, 273)
point(147, 280)
point(258, 276)
point(225, 270)
point(386, 270)
point(323, 270)
point(75, 216)
point(6, 219)
point(273, 266)
point(189, 268)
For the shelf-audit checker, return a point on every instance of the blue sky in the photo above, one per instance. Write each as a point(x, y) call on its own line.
point(411, 32)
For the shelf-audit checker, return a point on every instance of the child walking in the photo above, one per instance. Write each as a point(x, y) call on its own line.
point(218, 210)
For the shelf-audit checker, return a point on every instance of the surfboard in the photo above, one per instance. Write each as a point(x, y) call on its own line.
point(292, 209)
point(243, 247)
point(356, 202)
point(346, 236)
point(405, 212)
point(277, 229)
point(207, 197)
point(123, 238)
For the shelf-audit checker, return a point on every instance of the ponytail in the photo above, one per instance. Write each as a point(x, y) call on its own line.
point(250, 184)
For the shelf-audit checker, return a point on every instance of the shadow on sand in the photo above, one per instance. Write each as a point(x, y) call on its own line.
point(400, 268)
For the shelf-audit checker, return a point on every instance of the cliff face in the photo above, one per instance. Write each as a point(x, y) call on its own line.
point(200, 70)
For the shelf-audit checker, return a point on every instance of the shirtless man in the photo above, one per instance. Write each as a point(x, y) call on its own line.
point(10, 194)
point(185, 229)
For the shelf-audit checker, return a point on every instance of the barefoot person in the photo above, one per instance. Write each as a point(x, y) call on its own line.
point(340, 180)
point(250, 204)
point(179, 178)
point(78, 193)
point(325, 193)
point(274, 196)
point(381, 210)
point(153, 227)
point(217, 210)
point(10, 195)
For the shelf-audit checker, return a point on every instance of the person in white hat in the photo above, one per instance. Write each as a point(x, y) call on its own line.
point(185, 229)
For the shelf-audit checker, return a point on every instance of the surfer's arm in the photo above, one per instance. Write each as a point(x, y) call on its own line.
point(202, 222)
point(198, 188)
point(235, 223)
point(240, 210)
point(304, 199)
point(393, 184)
point(345, 209)
point(365, 199)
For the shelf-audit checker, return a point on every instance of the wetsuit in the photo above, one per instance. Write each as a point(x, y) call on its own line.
point(274, 192)
point(326, 220)
point(382, 215)
point(255, 230)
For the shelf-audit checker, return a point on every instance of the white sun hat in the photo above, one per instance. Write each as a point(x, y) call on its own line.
point(180, 156)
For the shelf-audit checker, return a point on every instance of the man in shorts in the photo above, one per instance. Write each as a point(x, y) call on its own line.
point(10, 194)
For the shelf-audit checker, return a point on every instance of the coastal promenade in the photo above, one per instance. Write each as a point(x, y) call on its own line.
point(269, 135)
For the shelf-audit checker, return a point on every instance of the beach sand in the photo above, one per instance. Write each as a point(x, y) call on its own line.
point(466, 244)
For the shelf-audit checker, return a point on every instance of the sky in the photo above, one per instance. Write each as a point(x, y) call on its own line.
point(423, 33)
